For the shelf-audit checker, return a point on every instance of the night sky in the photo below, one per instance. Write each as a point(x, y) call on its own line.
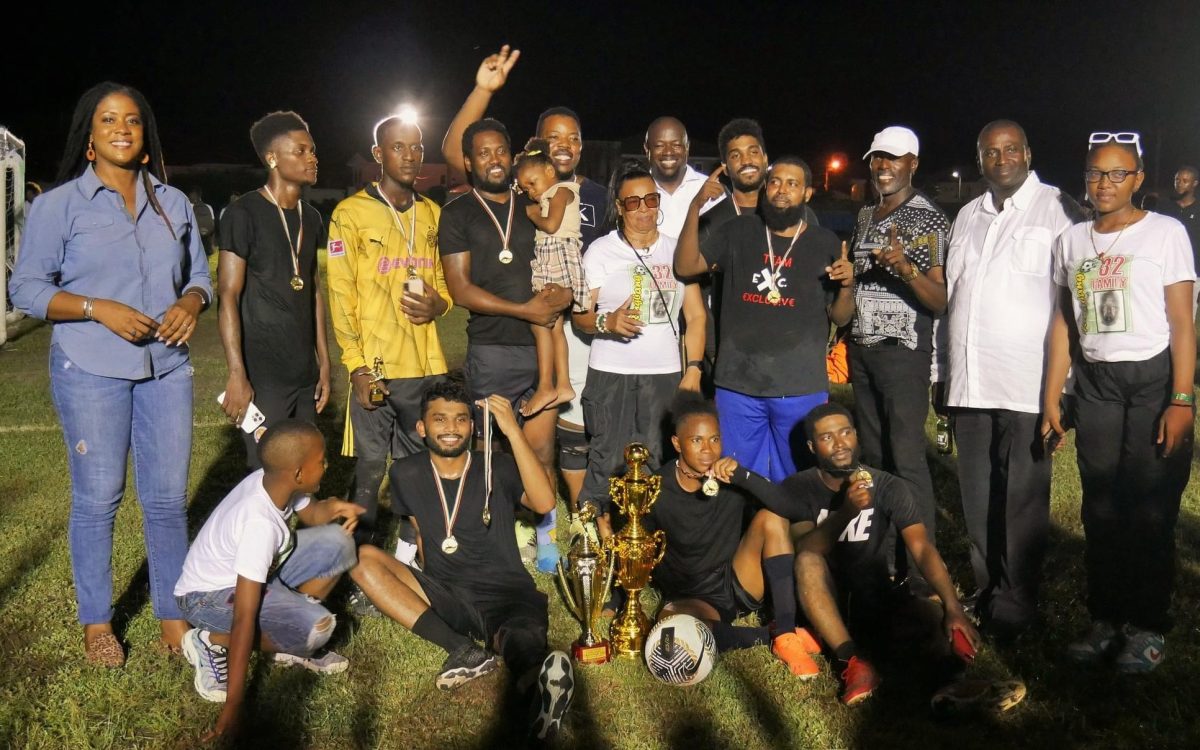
point(820, 77)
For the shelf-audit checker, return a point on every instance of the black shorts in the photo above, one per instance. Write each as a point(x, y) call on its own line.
point(481, 616)
point(510, 371)
point(278, 403)
point(391, 429)
point(572, 449)
point(722, 590)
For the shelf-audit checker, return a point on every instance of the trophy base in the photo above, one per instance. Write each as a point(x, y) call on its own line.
point(597, 653)
point(628, 631)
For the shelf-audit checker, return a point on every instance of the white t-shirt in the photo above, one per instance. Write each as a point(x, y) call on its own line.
point(245, 536)
point(1120, 310)
point(675, 205)
point(620, 272)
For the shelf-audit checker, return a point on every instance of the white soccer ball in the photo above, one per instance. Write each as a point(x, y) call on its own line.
point(680, 650)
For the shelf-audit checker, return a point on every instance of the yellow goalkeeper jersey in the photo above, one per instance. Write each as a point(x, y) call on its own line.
point(368, 264)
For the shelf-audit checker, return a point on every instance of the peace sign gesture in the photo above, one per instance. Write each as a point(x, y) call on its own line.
point(842, 269)
point(493, 71)
point(712, 187)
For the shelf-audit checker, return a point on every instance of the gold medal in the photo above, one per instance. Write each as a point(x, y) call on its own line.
point(710, 487)
point(506, 256)
point(450, 545)
point(487, 516)
point(862, 475)
point(774, 297)
point(297, 283)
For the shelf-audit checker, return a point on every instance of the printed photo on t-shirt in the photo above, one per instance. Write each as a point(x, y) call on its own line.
point(1102, 287)
point(1110, 311)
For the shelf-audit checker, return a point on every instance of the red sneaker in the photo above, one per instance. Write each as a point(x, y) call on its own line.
point(811, 644)
point(859, 681)
point(790, 648)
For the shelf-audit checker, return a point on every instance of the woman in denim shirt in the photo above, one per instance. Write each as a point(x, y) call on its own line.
point(113, 257)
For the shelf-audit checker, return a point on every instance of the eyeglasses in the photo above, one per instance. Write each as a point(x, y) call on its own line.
point(1115, 176)
point(1098, 138)
point(632, 202)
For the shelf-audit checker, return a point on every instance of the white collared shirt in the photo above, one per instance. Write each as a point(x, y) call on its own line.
point(675, 205)
point(991, 348)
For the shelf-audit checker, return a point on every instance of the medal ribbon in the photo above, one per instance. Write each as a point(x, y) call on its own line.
point(449, 518)
point(773, 277)
point(287, 232)
point(410, 236)
point(487, 463)
point(506, 232)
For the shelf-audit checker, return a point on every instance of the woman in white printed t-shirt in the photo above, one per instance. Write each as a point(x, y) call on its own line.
point(1126, 280)
point(636, 365)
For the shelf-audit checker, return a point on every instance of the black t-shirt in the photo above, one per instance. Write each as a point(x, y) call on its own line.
point(884, 305)
point(859, 550)
point(466, 228)
point(487, 557)
point(765, 349)
point(593, 207)
point(278, 322)
point(702, 532)
point(1189, 216)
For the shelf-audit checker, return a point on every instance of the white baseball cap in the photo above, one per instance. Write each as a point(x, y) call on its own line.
point(896, 141)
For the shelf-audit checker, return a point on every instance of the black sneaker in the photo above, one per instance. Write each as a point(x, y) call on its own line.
point(555, 686)
point(360, 606)
point(464, 664)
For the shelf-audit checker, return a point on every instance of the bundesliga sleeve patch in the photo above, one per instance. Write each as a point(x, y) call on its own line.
point(337, 248)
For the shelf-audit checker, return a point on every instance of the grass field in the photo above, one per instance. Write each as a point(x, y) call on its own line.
point(49, 697)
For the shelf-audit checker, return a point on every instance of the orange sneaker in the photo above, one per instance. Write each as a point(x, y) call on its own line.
point(811, 644)
point(792, 651)
point(859, 681)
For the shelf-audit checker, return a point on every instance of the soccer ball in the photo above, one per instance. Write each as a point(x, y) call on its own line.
point(680, 650)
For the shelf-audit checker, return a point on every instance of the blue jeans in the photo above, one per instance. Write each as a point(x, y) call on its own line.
point(102, 418)
point(287, 617)
point(766, 434)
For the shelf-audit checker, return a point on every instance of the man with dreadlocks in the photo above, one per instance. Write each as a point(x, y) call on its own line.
point(272, 309)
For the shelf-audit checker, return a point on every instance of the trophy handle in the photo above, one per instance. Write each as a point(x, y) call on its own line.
point(616, 492)
point(660, 539)
point(572, 607)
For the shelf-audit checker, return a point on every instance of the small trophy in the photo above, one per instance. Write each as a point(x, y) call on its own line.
point(376, 379)
point(636, 551)
point(586, 583)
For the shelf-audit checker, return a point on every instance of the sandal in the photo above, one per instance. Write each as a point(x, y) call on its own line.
point(105, 650)
point(984, 696)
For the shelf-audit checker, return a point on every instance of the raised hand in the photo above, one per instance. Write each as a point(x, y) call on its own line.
point(892, 257)
point(493, 71)
point(842, 269)
point(712, 187)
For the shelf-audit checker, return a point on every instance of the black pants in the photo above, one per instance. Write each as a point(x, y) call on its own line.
point(891, 404)
point(278, 403)
point(619, 409)
point(1130, 493)
point(1004, 478)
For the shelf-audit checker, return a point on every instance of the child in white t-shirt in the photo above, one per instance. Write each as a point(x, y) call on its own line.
point(248, 571)
point(558, 259)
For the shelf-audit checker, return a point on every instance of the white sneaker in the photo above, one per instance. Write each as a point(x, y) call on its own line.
point(211, 663)
point(555, 686)
point(328, 662)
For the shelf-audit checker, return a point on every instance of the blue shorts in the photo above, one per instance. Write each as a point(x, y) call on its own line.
point(766, 433)
point(287, 617)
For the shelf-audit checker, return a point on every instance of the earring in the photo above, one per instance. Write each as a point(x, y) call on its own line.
point(145, 158)
point(91, 152)
point(271, 164)
point(661, 218)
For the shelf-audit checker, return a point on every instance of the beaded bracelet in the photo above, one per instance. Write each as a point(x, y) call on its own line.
point(1186, 398)
point(602, 323)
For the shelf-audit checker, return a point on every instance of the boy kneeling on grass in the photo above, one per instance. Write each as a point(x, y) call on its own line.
point(248, 571)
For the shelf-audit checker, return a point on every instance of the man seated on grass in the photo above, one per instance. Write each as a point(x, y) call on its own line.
point(716, 567)
point(841, 513)
point(247, 573)
point(471, 584)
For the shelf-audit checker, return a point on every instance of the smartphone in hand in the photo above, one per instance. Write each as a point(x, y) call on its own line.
point(253, 417)
point(962, 647)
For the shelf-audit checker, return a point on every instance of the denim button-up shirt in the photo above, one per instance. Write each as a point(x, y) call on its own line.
point(80, 239)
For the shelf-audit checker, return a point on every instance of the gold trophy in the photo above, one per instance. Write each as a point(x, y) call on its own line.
point(585, 588)
point(376, 378)
point(636, 551)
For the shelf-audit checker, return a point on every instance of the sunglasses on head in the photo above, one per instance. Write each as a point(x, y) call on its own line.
point(1095, 139)
point(631, 203)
